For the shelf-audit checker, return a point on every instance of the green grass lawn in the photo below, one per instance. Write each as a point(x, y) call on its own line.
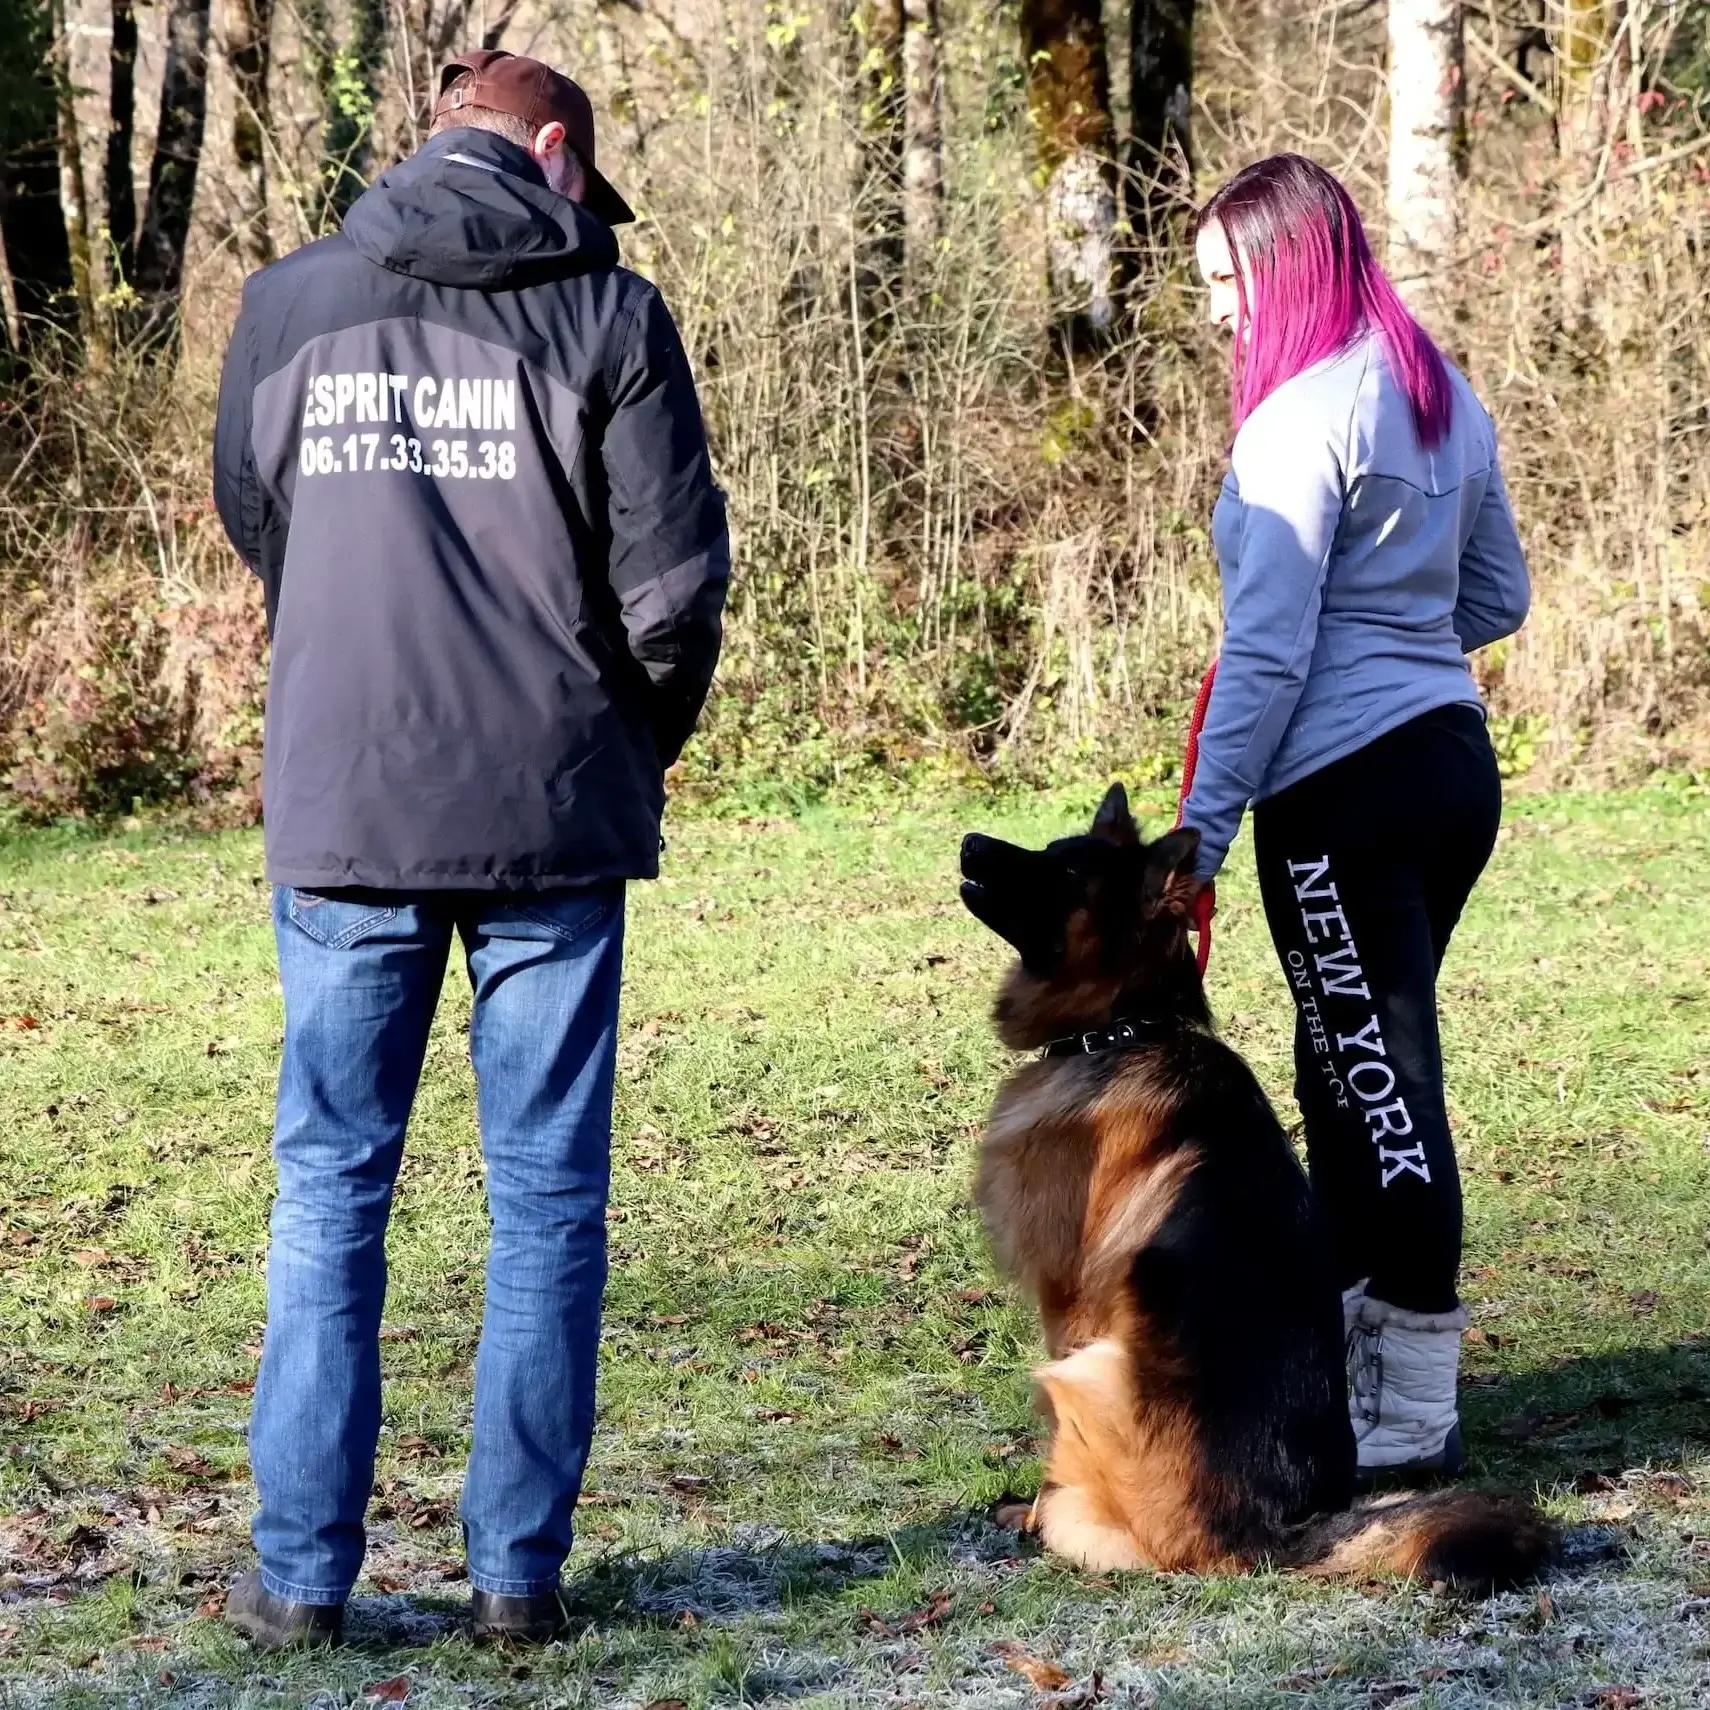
point(812, 1381)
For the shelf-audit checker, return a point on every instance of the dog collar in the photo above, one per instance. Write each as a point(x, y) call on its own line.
point(1128, 1034)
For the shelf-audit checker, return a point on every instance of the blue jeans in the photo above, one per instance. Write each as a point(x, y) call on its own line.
point(362, 975)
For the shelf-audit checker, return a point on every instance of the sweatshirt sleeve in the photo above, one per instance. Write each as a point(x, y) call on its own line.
point(1290, 484)
point(670, 559)
point(1495, 592)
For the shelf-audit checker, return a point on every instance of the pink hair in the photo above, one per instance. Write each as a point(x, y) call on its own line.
point(1300, 248)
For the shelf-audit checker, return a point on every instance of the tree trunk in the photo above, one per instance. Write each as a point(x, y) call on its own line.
point(1427, 153)
point(249, 50)
point(348, 140)
point(876, 42)
point(1160, 84)
point(177, 158)
point(120, 186)
point(9, 298)
point(1068, 98)
point(1586, 75)
point(425, 36)
point(73, 187)
point(923, 145)
point(37, 257)
point(1270, 102)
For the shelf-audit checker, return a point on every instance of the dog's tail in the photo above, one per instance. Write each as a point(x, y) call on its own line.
point(1464, 1538)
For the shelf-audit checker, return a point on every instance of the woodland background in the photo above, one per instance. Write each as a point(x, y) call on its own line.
point(927, 257)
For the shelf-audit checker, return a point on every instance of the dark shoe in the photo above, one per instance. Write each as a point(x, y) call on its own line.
point(534, 1620)
point(274, 1623)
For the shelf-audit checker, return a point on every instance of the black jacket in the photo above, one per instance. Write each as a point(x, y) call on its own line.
point(461, 447)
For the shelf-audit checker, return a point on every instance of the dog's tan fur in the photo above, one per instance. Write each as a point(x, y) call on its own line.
point(1070, 1193)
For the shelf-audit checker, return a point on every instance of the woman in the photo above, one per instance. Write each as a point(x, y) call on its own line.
point(1366, 547)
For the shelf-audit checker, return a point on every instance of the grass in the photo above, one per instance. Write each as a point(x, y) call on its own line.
point(811, 1379)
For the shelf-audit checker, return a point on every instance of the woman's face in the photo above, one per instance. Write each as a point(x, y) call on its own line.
point(1217, 268)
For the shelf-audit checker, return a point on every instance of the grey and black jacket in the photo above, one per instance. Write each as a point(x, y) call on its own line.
point(461, 448)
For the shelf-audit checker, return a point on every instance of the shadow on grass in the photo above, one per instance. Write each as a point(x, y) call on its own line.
point(647, 1611)
point(1588, 1420)
point(763, 1570)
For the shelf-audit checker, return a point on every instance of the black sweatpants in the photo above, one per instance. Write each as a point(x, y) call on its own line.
point(1365, 867)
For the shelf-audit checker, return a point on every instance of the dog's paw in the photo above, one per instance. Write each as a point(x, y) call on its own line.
point(1011, 1513)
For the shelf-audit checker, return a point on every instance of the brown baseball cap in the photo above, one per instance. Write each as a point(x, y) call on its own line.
point(536, 94)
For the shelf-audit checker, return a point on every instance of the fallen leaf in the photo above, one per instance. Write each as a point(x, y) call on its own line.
point(416, 1449)
point(937, 1607)
point(1091, 1691)
point(211, 1608)
point(778, 1416)
point(1644, 1303)
point(182, 1458)
point(1045, 1675)
point(20, 1023)
point(1618, 1698)
point(393, 1691)
point(668, 1704)
point(148, 1643)
point(99, 1302)
point(399, 1333)
point(90, 1257)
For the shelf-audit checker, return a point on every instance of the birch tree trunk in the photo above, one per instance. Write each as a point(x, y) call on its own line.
point(1586, 55)
point(923, 140)
point(177, 159)
point(1427, 152)
point(1068, 98)
point(9, 299)
point(876, 30)
point(119, 180)
point(1269, 97)
point(73, 188)
point(249, 51)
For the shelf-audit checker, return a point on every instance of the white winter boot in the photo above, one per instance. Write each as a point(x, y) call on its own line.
point(1402, 1368)
point(1352, 1300)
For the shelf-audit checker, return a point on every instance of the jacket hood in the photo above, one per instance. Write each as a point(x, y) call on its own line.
point(471, 209)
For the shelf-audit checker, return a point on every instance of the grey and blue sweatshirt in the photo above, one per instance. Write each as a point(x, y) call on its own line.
point(1359, 569)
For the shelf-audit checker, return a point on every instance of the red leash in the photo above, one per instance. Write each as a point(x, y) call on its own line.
point(1205, 904)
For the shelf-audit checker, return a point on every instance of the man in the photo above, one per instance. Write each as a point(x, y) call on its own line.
point(461, 448)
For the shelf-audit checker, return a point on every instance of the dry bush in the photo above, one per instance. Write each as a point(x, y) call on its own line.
point(959, 540)
point(132, 658)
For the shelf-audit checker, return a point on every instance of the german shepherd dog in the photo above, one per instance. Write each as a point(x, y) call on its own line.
point(1136, 1180)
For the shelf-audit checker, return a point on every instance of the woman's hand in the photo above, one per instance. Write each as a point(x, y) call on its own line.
point(1204, 905)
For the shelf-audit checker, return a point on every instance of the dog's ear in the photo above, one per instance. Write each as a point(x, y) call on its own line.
point(1113, 822)
point(1169, 886)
